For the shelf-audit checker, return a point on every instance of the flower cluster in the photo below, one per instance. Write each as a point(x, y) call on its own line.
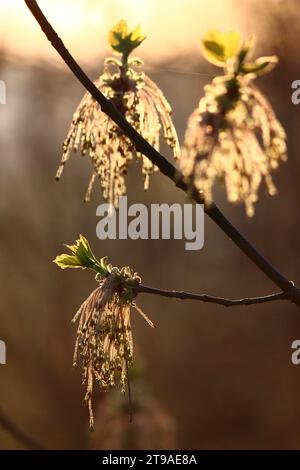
point(141, 102)
point(233, 135)
point(104, 339)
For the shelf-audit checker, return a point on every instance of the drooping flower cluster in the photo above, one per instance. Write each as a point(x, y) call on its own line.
point(104, 342)
point(233, 135)
point(141, 102)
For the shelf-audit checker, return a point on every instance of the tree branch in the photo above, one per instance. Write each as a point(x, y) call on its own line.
point(20, 435)
point(142, 146)
point(141, 288)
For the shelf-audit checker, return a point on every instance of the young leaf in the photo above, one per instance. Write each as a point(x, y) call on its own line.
point(260, 65)
point(68, 261)
point(218, 47)
point(81, 257)
point(122, 40)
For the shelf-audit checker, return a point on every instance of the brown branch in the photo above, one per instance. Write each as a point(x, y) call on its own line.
point(292, 292)
point(142, 289)
point(18, 434)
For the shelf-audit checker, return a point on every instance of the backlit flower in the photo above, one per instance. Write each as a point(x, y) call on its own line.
point(233, 135)
point(104, 342)
point(141, 102)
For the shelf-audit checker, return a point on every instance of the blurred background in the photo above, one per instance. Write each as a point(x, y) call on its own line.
point(207, 377)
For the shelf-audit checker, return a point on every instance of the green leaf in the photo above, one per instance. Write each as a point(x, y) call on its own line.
point(68, 261)
point(83, 252)
point(247, 46)
point(82, 257)
point(260, 65)
point(218, 47)
point(123, 40)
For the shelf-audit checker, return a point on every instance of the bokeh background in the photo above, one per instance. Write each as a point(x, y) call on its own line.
point(207, 377)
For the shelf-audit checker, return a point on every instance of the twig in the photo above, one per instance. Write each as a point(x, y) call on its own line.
point(209, 298)
point(142, 146)
point(20, 435)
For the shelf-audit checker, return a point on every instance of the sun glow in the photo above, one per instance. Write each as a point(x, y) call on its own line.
point(172, 26)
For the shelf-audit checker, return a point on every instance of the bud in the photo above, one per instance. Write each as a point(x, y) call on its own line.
point(124, 41)
point(218, 47)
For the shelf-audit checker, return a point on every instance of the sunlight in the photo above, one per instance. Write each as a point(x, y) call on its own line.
point(172, 26)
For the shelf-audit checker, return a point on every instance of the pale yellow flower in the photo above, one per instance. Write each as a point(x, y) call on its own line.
point(233, 135)
point(94, 134)
point(104, 343)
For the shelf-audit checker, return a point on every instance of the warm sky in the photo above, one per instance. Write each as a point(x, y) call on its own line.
point(171, 26)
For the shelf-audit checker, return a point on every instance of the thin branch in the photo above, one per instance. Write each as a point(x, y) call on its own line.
point(18, 434)
point(142, 146)
point(209, 298)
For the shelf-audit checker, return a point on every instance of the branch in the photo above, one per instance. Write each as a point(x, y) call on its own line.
point(142, 146)
point(209, 298)
point(20, 435)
